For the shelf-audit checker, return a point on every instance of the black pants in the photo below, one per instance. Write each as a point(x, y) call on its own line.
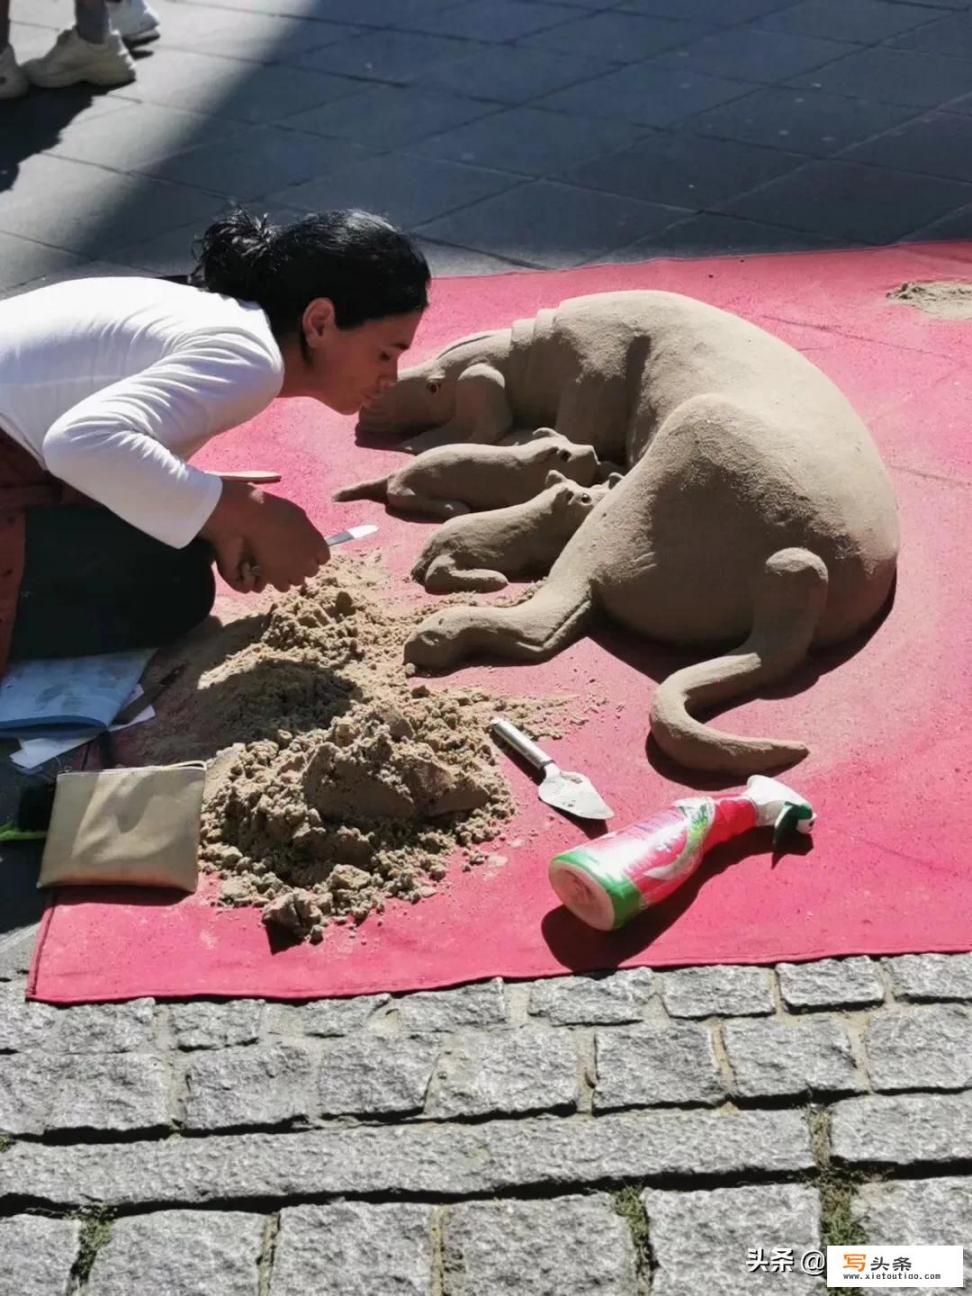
point(94, 584)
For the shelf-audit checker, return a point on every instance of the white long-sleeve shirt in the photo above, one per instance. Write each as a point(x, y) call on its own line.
point(112, 384)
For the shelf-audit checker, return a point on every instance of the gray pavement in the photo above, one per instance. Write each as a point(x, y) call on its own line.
point(635, 1133)
point(502, 132)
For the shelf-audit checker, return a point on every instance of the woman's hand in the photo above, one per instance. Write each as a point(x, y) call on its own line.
point(262, 540)
point(236, 566)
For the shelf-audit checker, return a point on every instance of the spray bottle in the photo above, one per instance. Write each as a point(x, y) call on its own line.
point(608, 881)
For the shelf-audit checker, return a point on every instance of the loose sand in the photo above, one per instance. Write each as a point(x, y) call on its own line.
point(947, 299)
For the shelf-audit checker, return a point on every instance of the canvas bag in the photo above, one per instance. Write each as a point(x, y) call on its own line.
point(125, 827)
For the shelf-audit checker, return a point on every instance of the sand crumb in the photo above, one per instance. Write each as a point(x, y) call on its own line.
point(946, 299)
point(336, 779)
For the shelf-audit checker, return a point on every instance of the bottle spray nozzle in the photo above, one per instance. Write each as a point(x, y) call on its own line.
point(796, 816)
point(780, 806)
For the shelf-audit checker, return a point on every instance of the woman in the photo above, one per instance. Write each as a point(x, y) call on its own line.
point(108, 386)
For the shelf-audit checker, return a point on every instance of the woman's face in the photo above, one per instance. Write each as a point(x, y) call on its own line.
point(348, 368)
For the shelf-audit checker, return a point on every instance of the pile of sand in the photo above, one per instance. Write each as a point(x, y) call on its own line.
point(338, 779)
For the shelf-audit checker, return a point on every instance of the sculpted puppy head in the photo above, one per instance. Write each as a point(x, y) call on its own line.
point(568, 501)
point(579, 463)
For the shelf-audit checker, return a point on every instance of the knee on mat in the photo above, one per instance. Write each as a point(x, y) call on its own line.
point(183, 596)
point(196, 588)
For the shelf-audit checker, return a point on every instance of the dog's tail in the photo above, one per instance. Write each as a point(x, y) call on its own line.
point(376, 489)
point(788, 602)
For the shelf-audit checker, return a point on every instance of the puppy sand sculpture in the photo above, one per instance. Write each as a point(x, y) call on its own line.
point(452, 479)
point(755, 511)
point(480, 550)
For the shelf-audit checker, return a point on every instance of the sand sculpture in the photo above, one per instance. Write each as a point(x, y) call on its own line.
point(756, 510)
point(451, 480)
point(479, 551)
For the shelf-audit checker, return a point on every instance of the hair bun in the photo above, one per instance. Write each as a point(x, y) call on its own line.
point(235, 255)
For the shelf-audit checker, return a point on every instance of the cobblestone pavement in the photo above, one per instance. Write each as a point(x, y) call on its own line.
point(578, 1137)
point(626, 1135)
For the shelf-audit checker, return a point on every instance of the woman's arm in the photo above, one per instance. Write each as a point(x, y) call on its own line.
point(125, 445)
point(120, 447)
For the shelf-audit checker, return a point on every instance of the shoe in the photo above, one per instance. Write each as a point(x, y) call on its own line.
point(134, 21)
point(72, 60)
point(13, 83)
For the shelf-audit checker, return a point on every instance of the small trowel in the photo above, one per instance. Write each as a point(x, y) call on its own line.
point(572, 793)
point(352, 533)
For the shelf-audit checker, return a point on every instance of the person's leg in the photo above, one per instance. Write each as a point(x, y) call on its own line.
point(89, 52)
point(13, 83)
point(135, 21)
point(91, 20)
point(94, 584)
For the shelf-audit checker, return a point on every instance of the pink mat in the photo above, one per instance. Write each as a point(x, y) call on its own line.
point(888, 726)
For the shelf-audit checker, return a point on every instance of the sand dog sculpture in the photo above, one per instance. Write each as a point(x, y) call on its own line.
point(478, 551)
point(756, 510)
point(459, 479)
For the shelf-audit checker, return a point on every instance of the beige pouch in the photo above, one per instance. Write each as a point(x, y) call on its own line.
point(125, 827)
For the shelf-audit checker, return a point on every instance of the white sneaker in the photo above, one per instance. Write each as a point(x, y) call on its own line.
point(13, 83)
point(72, 60)
point(134, 21)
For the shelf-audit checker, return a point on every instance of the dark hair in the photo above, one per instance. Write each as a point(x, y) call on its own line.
point(366, 267)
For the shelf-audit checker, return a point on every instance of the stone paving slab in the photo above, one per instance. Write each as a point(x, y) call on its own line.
point(777, 1058)
point(354, 1249)
point(415, 1159)
point(538, 1248)
point(266, 1085)
point(814, 123)
point(699, 1240)
point(408, 190)
point(933, 1212)
point(37, 1255)
point(903, 1131)
point(510, 1073)
point(654, 1065)
point(586, 224)
point(683, 170)
point(199, 1025)
point(480, 1004)
point(192, 1253)
point(717, 992)
point(584, 1000)
point(831, 983)
point(852, 201)
point(921, 977)
point(368, 1075)
point(926, 1048)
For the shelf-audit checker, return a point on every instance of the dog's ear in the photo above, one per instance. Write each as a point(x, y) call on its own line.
point(553, 478)
point(613, 479)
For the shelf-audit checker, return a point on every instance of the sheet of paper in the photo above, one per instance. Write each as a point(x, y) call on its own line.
point(34, 752)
